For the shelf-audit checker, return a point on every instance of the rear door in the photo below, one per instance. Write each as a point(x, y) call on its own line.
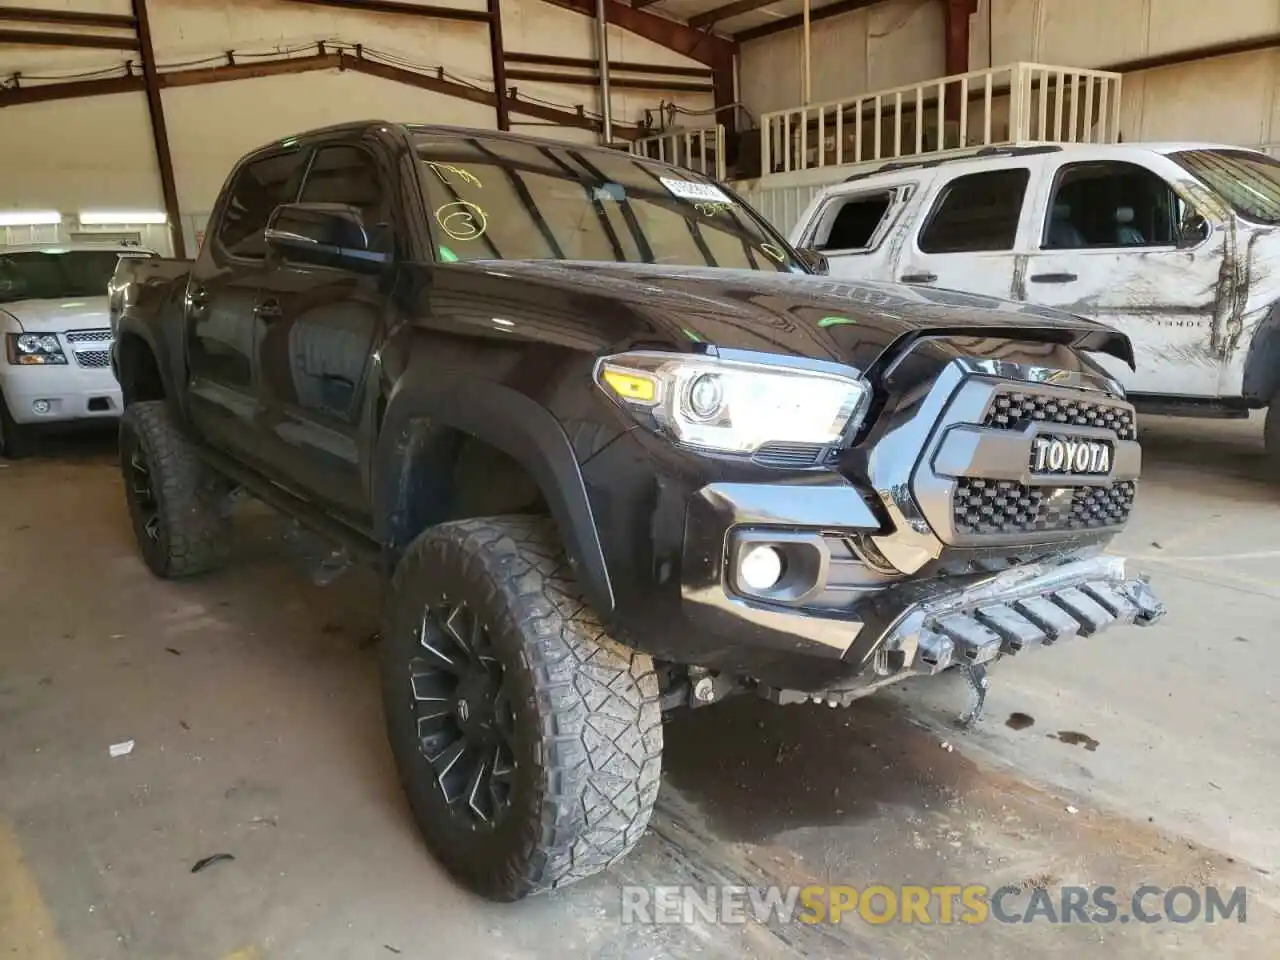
point(1111, 245)
point(220, 325)
point(968, 234)
point(316, 328)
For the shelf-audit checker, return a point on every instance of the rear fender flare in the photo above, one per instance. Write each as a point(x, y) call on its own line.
point(418, 412)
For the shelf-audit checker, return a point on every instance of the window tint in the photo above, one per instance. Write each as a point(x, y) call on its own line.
point(855, 223)
point(1110, 205)
point(259, 188)
point(348, 175)
point(53, 274)
point(976, 212)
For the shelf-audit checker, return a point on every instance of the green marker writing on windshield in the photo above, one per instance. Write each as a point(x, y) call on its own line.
point(834, 321)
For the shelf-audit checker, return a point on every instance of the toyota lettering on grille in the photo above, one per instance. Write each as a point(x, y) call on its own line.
point(1060, 455)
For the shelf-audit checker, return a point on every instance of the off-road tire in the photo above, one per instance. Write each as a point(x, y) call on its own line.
point(588, 725)
point(15, 438)
point(192, 526)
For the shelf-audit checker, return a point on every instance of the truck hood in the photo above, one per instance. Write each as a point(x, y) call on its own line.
point(852, 322)
point(58, 316)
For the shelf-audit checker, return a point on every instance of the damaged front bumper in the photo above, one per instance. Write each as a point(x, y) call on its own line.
point(1006, 613)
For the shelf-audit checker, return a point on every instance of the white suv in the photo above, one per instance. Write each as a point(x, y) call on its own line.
point(1176, 245)
point(56, 367)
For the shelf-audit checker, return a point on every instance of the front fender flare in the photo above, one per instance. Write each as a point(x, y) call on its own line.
point(1262, 363)
point(511, 422)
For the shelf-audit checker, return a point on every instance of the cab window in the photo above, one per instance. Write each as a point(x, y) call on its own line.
point(855, 222)
point(259, 187)
point(1110, 204)
point(976, 212)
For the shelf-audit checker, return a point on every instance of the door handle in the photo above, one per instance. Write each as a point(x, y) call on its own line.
point(1053, 278)
point(268, 310)
point(918, 277)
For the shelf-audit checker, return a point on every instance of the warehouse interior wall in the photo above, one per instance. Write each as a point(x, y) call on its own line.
point(872, 48)
point(97, 152)
point(900, 42)
point(1181, 101)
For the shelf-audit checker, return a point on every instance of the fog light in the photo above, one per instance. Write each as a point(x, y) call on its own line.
point(39, 407)
point(760, 567)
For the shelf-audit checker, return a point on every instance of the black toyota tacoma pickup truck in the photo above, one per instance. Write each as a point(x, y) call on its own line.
point(616, 448)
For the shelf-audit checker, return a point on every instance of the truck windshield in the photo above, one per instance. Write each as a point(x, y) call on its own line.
point(499, 199)
point(1249, 181)
point(55, 274)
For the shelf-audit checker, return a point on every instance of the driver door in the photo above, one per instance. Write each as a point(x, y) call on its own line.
point(316, 324)
point(1118, 244)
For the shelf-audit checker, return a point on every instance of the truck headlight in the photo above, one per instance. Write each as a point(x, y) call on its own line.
point(27, 349)
point(732, 405)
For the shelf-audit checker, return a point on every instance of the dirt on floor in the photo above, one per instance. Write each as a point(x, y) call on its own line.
point(251, 699)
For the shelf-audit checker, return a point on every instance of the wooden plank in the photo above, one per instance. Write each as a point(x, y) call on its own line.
point(75, 18)
point(407, 9)
point(50, 38)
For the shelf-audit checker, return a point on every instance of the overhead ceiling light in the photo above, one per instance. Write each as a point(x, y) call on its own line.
point(29, 218)
point(97, 218)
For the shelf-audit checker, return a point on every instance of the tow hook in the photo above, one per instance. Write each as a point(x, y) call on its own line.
point(976, 674)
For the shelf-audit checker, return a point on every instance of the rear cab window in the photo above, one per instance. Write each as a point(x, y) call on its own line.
point(976, 212)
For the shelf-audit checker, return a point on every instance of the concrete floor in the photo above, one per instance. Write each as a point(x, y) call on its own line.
point(252, 697)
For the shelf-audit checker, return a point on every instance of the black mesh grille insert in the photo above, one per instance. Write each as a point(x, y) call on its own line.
point(1013, 410)
point(1008, 507)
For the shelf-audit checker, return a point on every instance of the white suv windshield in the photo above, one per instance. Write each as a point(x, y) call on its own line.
point(1249, 181)
point(53, 274)
point(492, 198)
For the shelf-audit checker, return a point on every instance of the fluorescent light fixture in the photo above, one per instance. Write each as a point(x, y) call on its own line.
point(100, 218)
point(29, 218)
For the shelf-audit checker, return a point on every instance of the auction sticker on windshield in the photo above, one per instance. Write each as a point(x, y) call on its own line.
point(689, 190)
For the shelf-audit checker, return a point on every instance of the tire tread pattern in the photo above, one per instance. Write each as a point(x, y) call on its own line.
point(196, 530)
point(600, 735)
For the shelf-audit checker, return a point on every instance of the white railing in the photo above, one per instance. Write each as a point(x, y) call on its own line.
point(698, 148)
point(1000, 105)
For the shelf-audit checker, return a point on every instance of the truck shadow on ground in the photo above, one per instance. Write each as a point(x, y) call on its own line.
point(1213, 449)
point(756, 770)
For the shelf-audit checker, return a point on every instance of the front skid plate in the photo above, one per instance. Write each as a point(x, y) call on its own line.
point(1016, 610)
point(1034, 605)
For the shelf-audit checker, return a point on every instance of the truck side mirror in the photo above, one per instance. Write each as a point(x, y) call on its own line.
point(1193, 230)
point(329, 234)
point(815, 261)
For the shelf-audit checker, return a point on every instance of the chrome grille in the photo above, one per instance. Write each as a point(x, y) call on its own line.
point(92, 348)
point(93, 358)
point(89, 336)
point(984, 507)
point(1014, 409)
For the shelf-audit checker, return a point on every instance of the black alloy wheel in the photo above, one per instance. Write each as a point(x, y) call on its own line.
point(462, 707)
point(142, 494)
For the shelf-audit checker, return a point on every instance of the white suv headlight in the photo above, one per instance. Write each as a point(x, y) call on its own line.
point(734, 406)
